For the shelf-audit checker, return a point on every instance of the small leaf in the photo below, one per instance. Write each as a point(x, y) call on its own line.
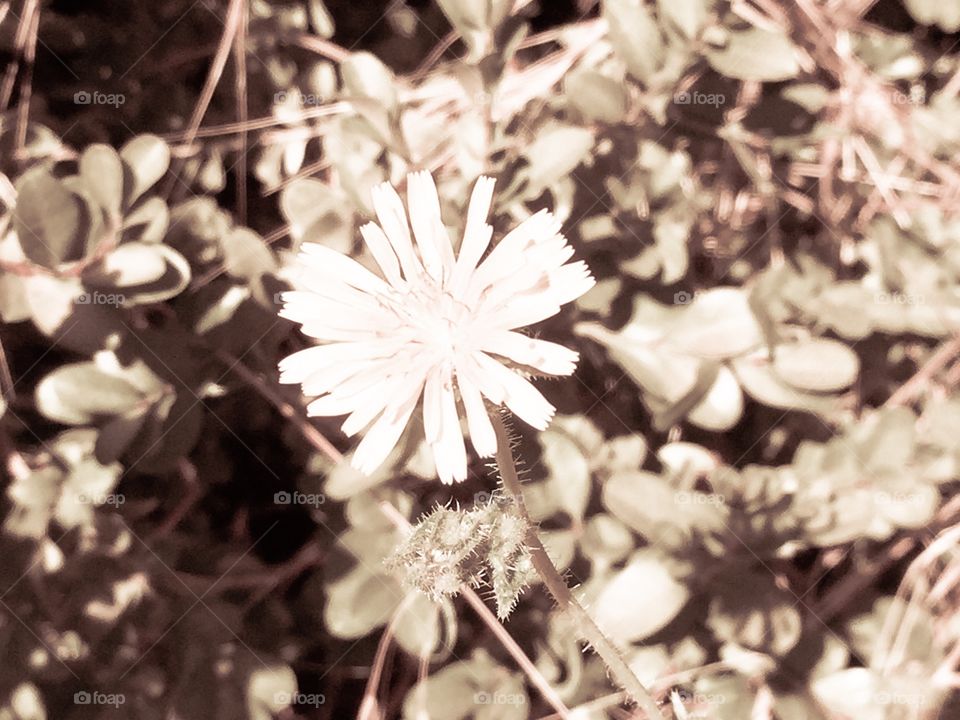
point(321, 19)
point(246, 255)
point(365, 76)
point(418, 626)
point(635, 36)
point(688, 16)
point(147, 157)
point(555, 153)
point(270, 691)
point(596, 96)
point(717, 324)
point(102, 172)
point(569, 471)
point(756, 54)
point(360, 602)
point(606, 539)
point(140, 273)
point(476, 21)
point(639, 600)
point(81, 393)
point(816, 365)
point(945, 15)
point(756, 375)
point(48, 219)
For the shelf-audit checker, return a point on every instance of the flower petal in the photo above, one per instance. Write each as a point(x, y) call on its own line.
point(432, 410)
point(340, 267)
point(545, 356)
point(383, 435)
point(482, 435)
point(449, 451)
point(382, 252)
point(476, 233)
point(393, 220)
point(302, 364)
point(523, 399)
point(428, 228)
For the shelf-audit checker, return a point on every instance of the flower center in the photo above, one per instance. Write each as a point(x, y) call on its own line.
point(434, 318)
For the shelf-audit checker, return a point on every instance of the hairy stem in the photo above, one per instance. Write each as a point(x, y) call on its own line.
point(585, 627)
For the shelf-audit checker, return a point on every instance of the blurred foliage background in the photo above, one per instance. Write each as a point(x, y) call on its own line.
point(752, 478)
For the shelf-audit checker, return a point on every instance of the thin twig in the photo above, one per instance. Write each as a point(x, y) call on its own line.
point(588, 630)
point(240, 60)
point(26, 86)
point(907, 392)
point(231, 27)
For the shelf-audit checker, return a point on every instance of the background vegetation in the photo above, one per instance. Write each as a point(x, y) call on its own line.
point(752, 478)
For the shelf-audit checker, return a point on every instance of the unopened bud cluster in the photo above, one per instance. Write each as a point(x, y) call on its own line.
point(450, 548)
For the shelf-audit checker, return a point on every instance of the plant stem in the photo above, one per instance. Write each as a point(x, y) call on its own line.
point(586, 628)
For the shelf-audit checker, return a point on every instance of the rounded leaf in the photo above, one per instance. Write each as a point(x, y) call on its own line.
point(81, 393)
point(140, 273)
point(359, 603)
point(102, 172)
point(816, 365)
point(640, 600)
point(147, 158)
point(756, 54)
point(596, 96)
point(49, 219)
point(717, 324)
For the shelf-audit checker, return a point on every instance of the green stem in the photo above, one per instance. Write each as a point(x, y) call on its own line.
point(586, 628)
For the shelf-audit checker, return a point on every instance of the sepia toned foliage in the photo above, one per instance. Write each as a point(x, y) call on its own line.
point(751, 479)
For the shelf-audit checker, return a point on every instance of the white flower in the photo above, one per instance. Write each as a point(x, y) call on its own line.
point(433, 325)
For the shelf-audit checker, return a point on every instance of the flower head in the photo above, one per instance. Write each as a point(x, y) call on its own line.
point(433, 325)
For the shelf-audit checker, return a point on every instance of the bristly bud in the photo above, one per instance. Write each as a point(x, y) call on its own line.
point(449, 548)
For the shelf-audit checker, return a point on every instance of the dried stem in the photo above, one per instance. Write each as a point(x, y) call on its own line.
point(584, 625)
